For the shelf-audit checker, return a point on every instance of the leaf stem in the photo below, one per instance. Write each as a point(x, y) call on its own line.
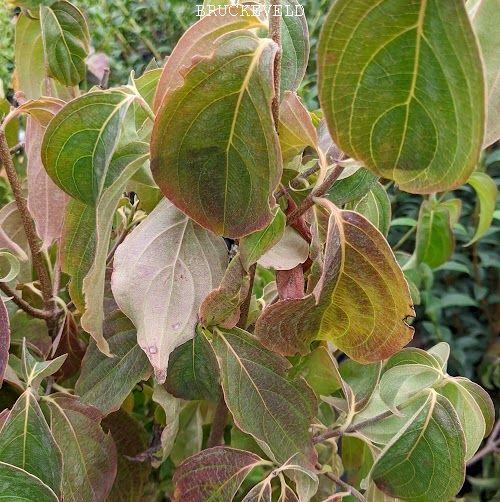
point(275, 35)
point(28, 224)
point(342, 484)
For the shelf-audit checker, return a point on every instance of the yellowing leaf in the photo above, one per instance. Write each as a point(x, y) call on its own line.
point(401, 85)
point(162, 272)
point(360, 303)
point(221, 177)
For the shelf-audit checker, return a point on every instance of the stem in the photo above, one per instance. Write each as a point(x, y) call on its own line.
point(275, 35)
point(296, 182)
point(492, 445)
point(308, 202)
point(245, 307)
point(342, 484)
point(219, 423)
point(24, 305)
point(331, 433)
point(405, 237)
point(28, 223)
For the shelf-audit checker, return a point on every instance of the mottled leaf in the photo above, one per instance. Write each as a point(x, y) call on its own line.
point(433, 434)
point(360, 302)
point(376, 62)
point(26, 442)
point(162, 272)
point(89, 467)
point(66, 41)
point(213, 474)
point(20, 485)
point(223, 178)
point(250, 376)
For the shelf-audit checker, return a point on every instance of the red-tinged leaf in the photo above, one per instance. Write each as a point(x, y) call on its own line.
point(290, 283)
point(222, 306)
point(198, 41)
point(360, 302)
point(4, 339)
point(214, 474)
point(223, 178)
point(89, 467)
point(278, 419)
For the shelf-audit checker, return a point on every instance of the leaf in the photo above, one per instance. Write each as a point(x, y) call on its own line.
point(484, 18)
point(435, 241)
point(78, 245)
point(146, 86)
point(295, 45)
point(359, 303)
point(375, 62)
point(295, 128)
point(250, 376)
point(433, 434)
point(222, 305)
point(253, 246)
point(362, 379)
point(21, 485)
point(193, 373)
point(130, 439)
point(291, 250)
point(357, 459)
point(213, 474)
point(469, 414)
point(162, 272)
point(35, 371)
point(189, 438)
point(353, 187)
point(375, 206)
point(486, 192)
point(80, 141)
point(222, 179)
point(26, 442)
point(4, 339)
point(483, 400)
point(124, 164)
point(66, 41)
point(89, 467)
point(199, 40)
point(441, 352)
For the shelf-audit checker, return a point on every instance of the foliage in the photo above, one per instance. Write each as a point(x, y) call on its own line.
point(209, 290)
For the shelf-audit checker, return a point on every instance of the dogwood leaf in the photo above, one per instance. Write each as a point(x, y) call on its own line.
point(22, 485)
point(375, 62)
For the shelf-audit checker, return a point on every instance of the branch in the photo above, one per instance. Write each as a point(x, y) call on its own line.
point(320, 191)
point(492, 445)
point(345, 486)
point(28, 223)
point(275, 35)
point(24, 305)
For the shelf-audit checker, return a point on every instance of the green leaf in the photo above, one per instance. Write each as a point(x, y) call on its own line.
point(20, 485)
point(124, 164)
point(89, 466)
point(435, 241)
point(375, 62)
point(352, 187)
point(214, 474)
point(469, 413)
point(222, 178)
point(295, 45)
point(375, 206)
point(130, 439)
point(279, 421)
point(413, 355)
point(198, 40)
point(66, 41)
point(484, 16)
point(357, 459)
point(363, 314)
point(146, 86)
point(80, 141)
point(433, 434)
point(253, 246)
point(486, 192)
point(162, 272)
point(26, 442)
point(35, 371)
point(362, 379)
point(193, 373)
point(441, 352)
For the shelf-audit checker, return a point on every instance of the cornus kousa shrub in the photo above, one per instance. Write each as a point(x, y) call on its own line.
point(199, 301)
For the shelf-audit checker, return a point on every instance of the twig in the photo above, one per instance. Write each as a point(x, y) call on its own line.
point(24, 305)
point(16, 148)
point(275, 35)
point(296, 182)
point(345, 486)
point(332, 433)
point(28, 224)
point(492, 445)
point(308, 202)
point(105, 78)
